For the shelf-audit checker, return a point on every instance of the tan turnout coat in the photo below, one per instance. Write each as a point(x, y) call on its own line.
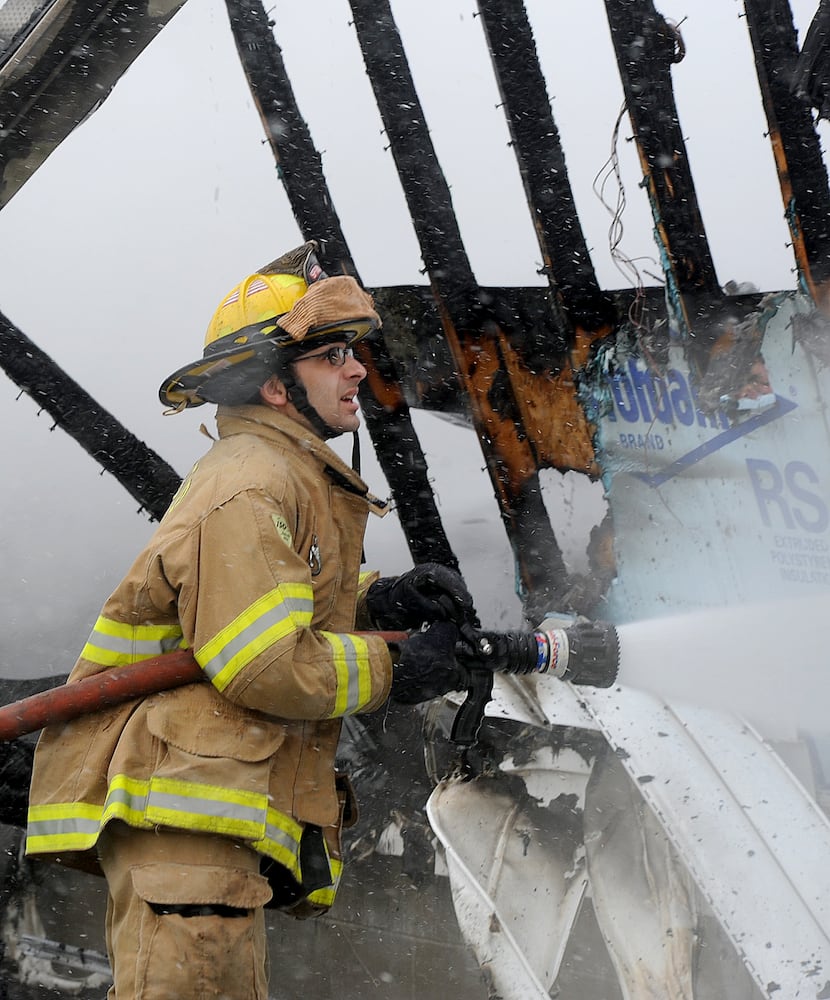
point(256, 568)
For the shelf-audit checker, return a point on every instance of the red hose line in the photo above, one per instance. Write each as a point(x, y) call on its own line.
point(110, 687)
point(91, 694)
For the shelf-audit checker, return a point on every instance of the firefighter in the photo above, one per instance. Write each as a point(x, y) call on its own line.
point(205, 804)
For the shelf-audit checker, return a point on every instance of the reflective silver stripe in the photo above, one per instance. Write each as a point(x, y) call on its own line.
point(353, 694)
point(277, 835)
point(119, 796)
point(76, 826)
point(350, 655)
point(287, 609)
point(113, 643)
point(167, 803)
point(132, 646)
point(87, 827)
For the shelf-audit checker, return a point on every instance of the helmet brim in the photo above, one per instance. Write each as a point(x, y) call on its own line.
point(232, 375)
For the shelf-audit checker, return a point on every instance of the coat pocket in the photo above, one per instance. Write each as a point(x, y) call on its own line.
point(164, 883)
point(207, 725)
point(214, 772)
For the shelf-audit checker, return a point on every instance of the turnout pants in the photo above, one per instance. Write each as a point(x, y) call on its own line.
point(185, 916)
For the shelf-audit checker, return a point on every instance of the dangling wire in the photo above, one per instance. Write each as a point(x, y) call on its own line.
point(627, 266)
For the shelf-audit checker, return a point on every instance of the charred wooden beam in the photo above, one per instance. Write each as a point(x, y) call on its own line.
point(646, 47)
point(145, 476)
point(299, 164)
point(811, 78)
point(801, 172)
point(59, 66)
point(420, 349)
point(300, 167)
point(481, 350)
point(541, 159)
point(579, 309)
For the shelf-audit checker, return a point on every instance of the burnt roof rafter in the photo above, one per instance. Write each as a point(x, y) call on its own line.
point(481, 351)
point(647, 47)
point(541, 159)
point(802, 174)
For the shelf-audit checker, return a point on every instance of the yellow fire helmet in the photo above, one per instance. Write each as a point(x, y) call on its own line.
point(264, 322)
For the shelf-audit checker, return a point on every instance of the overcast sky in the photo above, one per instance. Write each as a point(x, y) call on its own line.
point(116, 252)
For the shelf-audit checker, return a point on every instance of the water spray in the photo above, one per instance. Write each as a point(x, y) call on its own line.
point(765, 662)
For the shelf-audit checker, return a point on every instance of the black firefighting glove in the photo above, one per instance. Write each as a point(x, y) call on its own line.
point(428, 593)
point(427, 667)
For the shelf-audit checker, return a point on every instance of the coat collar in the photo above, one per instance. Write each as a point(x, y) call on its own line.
point(265, 422)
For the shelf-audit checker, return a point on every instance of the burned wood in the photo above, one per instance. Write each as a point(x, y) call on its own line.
point(299, 164)
point(507, 360)
point(481, 350)
point(541, 159)
point(424, 184)
point(417, 326)
point(795, 144)
point(811, 78)
point(384, 406)
point(578, 309)
point(401, 457)
point(646, 47)
point(74, 57)
point(145, 475)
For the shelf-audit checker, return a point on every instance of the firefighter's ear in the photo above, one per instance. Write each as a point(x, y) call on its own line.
point(274, 393)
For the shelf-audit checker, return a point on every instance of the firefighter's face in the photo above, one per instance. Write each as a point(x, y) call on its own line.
point(330, 376)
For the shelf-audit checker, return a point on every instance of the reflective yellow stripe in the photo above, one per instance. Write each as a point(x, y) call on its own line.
point(272, 617)
point(209, 808)
point(184, 805)
point(350, 655)
point(126, 800)
point(115, 644)
point(74, 826)
point(325, 896)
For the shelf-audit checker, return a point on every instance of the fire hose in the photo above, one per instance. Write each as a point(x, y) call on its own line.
point(583, 653)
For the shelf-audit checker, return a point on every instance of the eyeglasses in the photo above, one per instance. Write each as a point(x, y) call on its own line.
point(336, 356)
